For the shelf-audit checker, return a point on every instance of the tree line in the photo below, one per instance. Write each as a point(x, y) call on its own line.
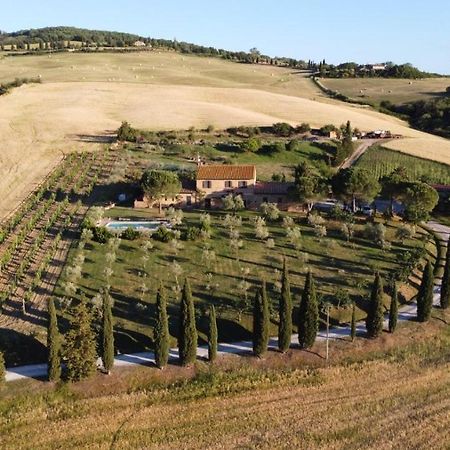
point(431, 116)
point(82, 344)
point(355, 70)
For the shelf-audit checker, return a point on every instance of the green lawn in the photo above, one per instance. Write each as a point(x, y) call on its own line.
point(267, 163)
point(334, 262)
point(381, 161)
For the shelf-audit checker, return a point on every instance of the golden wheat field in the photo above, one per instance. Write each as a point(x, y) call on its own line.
point(378, 404)
point(84, 97)
point(396, 91)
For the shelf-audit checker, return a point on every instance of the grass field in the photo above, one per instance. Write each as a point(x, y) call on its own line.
point(381, 161)
point(228, 279)
point(375, 90)
point(216, 151)
point(386, 397)
point(84, 97)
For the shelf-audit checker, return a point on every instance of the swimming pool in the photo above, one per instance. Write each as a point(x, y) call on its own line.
point(140, 226)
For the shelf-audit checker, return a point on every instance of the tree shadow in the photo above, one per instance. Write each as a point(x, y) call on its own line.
point(19, 348)
point(106, 138)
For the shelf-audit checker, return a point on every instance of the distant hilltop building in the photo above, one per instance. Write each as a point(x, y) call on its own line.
point(376, 67)
point(139, 44)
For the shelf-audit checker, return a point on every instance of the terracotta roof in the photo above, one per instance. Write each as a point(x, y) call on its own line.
point(273, 187)
point(226, 172)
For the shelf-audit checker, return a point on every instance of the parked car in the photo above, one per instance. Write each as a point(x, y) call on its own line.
point(327, 205)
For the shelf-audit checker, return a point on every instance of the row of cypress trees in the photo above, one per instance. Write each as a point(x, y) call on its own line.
point(307, 320)
point(81, 364)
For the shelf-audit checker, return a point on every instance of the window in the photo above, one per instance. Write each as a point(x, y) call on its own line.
point(265, 200)
point(188, 200)
point(228, 184)
point(280, 199)
point(242, 184)
point(206, 184)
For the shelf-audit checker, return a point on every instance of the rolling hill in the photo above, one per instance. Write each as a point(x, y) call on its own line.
point(84, 97)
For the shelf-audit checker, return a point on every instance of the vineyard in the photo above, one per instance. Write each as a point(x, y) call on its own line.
point(34, 242)
point(382, 161)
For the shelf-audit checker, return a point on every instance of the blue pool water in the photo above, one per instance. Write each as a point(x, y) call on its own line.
point(140, 226)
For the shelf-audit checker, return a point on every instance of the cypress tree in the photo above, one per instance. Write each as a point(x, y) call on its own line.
point(353, 323)
point(374, 320)
point(393, 309)
point(53, 344)
point(308, 317)
point(425, 294)
point(285, 312)
point(107, 334)
point(161, 330)
point(187, 338)
point(80, 345)
point(445, 286)
point(212, 335)
point(260, 322)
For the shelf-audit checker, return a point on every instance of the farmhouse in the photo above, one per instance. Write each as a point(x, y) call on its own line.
point(217, 181)
point(214, 182)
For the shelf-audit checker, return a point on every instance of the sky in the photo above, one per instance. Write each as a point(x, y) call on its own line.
point(362, 31)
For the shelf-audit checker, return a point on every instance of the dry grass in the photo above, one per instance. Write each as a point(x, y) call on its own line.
point(397, 91)
point(398, 401)
point(84, 97)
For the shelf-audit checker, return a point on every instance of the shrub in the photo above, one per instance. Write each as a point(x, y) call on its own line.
point(293, 145)
point(404, 232)
point(270, 211)
point(130, 234)
point(376, 233)
point(320, 231)
point(250, 145)
point(163, 234)
point(315, 219)
point(277, 147)
point(282, 129)
point(326, 129)
point(303, 128)
point(192, 234)
point(101, 235)
point(126, 133)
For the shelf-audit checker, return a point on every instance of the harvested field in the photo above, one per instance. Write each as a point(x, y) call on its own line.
point(84, 97)
point(399, 402)
point(375, 90)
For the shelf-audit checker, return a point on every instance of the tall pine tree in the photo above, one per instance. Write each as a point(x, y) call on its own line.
point(162, 335)
point(107, 334)
point(212, 335)
point(374, 320)
point(53, 344)
point(80, 345)
point(187, 338)
point(353, 323)
point(285, 312)
point(308, 316)
point(393, 309)
point(260, 322)
point(425, 294)
point(445, 287)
